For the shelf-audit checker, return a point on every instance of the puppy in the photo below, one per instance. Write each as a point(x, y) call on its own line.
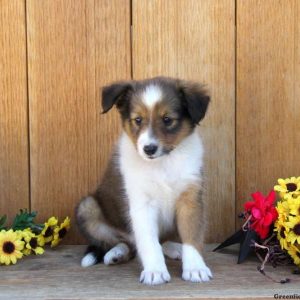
point(151, 193)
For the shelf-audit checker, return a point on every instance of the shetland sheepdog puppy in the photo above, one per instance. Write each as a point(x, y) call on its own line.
point(150, 199)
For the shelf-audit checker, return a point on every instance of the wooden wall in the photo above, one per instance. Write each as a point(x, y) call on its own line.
point(56, 55)
point(268, 94)
point(14, 151)
point(74, 48)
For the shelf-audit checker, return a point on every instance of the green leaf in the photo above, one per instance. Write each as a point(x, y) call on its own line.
point(2, 222)
point(25, 220)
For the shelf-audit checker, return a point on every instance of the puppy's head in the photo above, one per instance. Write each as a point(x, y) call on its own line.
point(158, 113)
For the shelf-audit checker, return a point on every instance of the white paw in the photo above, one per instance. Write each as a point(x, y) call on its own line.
point(194, 267)
point(172, 250)
point(88, 260)
point(155, 277)
point(198, 275)
point(117, 254)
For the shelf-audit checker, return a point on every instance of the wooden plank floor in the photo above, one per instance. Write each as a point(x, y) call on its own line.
point(57, 275)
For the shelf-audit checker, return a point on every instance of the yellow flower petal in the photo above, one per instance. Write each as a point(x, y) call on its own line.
point(13, 259)
point(39, 250)
point(41, 240)
point(7, 260)
point(52, 221)
point(26, 252)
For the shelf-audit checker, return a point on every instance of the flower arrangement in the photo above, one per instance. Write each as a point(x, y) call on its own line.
point(271, 229)
point(287, 225)
point(25, 237)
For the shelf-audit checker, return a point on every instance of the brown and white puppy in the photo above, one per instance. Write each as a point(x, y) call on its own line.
point(151, 192)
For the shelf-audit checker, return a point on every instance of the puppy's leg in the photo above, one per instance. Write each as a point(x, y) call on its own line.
point(93, 255)
point(145, 227)
point(172, 250)
point(107, 243)
point(92, 223)
point(118, 254)
point(190, 223)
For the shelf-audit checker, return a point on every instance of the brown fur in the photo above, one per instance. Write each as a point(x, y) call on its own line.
point(190, 217)
point(129, 125)
point(107, 209)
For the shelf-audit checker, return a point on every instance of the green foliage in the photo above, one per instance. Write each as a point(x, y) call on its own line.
point(2, 222)
point(25, 220)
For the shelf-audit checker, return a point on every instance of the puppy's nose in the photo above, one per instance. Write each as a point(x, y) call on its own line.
point(150, 149)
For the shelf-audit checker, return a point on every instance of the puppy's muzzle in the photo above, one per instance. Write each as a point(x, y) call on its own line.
point(150, 149)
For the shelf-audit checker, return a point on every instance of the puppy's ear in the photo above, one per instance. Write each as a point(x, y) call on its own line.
point(194, 98)
point(115, 94)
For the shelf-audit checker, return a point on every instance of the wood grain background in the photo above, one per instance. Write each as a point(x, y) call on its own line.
point(14, 153)
point(74, 48)
point(268, 95)
point(56, 55)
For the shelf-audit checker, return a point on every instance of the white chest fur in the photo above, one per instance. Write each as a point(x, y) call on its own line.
point(156, 184)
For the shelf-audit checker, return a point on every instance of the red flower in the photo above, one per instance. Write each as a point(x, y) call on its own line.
point(263, 213)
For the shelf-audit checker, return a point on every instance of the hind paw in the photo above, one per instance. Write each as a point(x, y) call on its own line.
point(88, 260)
point(117, 254)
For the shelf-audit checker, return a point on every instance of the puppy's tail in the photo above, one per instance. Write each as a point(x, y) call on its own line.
point(88, 218)
point(93, 255)
point(92, 223)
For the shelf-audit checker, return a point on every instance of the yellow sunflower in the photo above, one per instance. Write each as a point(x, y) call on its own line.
point(294, 229)
point(33, 244)
point(23, 233)
point(30, 239)
point(10, 247)
point(41, 240)
point(48, 230)
point(294, 252)
point(289, 187)
point(283, 210)
point(26, 251)
point(282, 232)
point(60, 232)
point(294, 205)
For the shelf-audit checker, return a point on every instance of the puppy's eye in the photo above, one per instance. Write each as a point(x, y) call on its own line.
point(138, 121)
point(167, 120)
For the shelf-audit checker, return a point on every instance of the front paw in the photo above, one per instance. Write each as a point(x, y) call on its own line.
point(197, 275)
point(194, 267)
point(154, 277)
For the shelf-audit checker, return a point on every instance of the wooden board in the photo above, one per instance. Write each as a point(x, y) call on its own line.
point(195, 40)
point(74, 48)
point(43, 277)
point(268, 94)
point(14, 176)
